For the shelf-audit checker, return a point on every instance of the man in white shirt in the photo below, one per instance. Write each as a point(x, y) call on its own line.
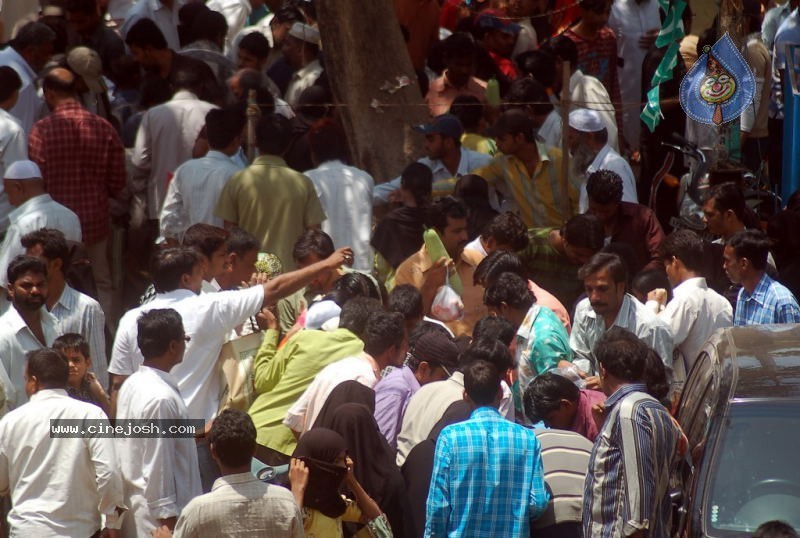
point(75, 311)
point(208, 318)
point(163, 12)
point(193, 192)
point(695, 311)
point(446, 157)
point(345, 192)
point(35, 209)
point(588, 145)
point(26, 325)
point(28, 53)
point(60, 485)
point(13, 140)
point(236, 14)
point(301, 50)
point(385, 344)
point(607, 304)
point(160, 473)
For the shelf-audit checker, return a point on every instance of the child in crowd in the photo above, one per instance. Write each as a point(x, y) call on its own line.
point(82, 383)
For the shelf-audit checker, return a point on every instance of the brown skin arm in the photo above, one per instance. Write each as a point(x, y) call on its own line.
point(288, 283)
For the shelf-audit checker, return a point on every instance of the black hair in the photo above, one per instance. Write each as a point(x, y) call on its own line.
point(655, 375)
point(205, 238)
point(356, 284)
point(313, 241)
point(418, 180)
point(596, 6)
point(604, 260)
point(49, 367)
point(539, 64)
point(33, 34)
point(88, 7)
point(622, 354)
point(727, 196)
point(250, 79)
point(647, 280)
point(72, 342)
point(190, 79)
point(489, 350)
point(383, 331)
point(495, 264)
point(469, 111)
point(775, 529)
point(563, 48)
point(233, 436)
point(51, 82)
point(21, 265)
point(209, 25)
point(168, 266)
point(482, 382)
point(511, 289)
point(686, 246)
point(494, 327)
point(528, 93)
point(256, 44)
point(544, 393)
point(423, 328)
point(146, 33)
point(54, 245)
point(750, 244)
point(9, 82)
point(223, 125)
point(240, 242)
point(186, 17)
point(356, 312)
point(604, 187)
point(584, 231)
point(156, 329)
point(407, 300)
point(288, 13)
point(458, 45)
point(447, 207)
point(154, 91)
point(327, 141)
point(507, 229)
point(273, 134)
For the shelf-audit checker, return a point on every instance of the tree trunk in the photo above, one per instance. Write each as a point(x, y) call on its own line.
point(364, 56)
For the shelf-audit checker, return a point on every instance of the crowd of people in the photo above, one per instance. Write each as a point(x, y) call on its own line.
point(479, 346)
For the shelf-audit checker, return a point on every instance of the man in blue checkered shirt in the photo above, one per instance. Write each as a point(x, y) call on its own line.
point(761, 299)
point(487, 473)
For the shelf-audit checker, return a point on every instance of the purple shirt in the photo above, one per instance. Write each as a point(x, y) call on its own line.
point(392, 394)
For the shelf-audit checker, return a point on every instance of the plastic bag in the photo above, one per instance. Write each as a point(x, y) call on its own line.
point(447, 305)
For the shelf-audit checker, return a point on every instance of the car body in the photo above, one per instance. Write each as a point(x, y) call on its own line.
point(740, 410)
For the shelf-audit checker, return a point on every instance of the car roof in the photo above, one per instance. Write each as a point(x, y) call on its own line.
point(767, 360)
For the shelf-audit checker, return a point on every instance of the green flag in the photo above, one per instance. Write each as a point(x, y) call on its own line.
point(651, 115)
point(672, 29)
point(668, 62)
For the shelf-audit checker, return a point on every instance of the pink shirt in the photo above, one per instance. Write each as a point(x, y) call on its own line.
point(545, 298)
point(584, 423)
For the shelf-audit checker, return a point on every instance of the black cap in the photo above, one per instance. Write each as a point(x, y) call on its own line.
point(446, 125)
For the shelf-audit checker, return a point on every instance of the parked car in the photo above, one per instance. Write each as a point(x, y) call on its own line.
point(740, 410)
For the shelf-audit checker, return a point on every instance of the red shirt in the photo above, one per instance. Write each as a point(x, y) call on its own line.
point(83, 164)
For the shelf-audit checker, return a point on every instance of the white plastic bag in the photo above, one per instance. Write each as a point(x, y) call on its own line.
point(447, 305)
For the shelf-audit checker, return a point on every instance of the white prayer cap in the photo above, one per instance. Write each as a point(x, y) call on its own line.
point(304, 32)
point(21, 170)
point(586, 121)
point(321, 312)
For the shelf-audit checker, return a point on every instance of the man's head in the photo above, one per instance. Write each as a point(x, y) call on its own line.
point(448, 217)
point(87, 66)
point(745, 255)
point(442, 136)
point(10, 84)
point(232, 439)
point(34, 42)
point(751, 10)
point(582, 237)
point(682, 252)
point(490, 350)
point(495, 264)
point(499, 34)
point(253, 52)
point(434, 357)
point(469, 111)
point(724, 210)
point(587, 135)
point(224, 128)
point(27, 283)
point(241, 257)
point(594, 13)
point(50, 246)
point(622, 358)
point(539, 65)
point(160, 337)
point(505, 232)
point(553, 399)
point(407, 300)
point(356, 312)
point(416, 185)
point(458, 52)
point(775, 529)
point(282, 22)
point(191, 80)
point(146, 42)
point(494, 328)
point(312, 247)
point(210, 25)
point(45, 369)
point(531, 97)
point(301, 45)
point(513, 131)
point(209, 241)
point(604, 279)
point(564, 50)
point(604, 190)
point(385, 338)
point(482, 384)
point(327, 142)
point(273, 134)
point(83, 16)
point(177, 268)
point(509, 298)
point(57, 85)
point(76, 350)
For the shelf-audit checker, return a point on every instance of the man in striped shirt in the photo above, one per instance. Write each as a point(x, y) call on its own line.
point(626, 488)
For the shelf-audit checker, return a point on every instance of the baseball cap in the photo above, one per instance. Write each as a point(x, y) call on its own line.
point(495, 19)
point(88, 65)
point(512, 121)
point(586, 121)
point(22, 170)
point(437, 349)
point(304, 32)
point(447, 125)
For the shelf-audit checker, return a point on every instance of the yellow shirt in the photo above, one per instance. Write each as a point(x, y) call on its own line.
point(318, 525)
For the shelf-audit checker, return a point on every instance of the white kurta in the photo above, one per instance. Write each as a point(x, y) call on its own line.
point(608, 159)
